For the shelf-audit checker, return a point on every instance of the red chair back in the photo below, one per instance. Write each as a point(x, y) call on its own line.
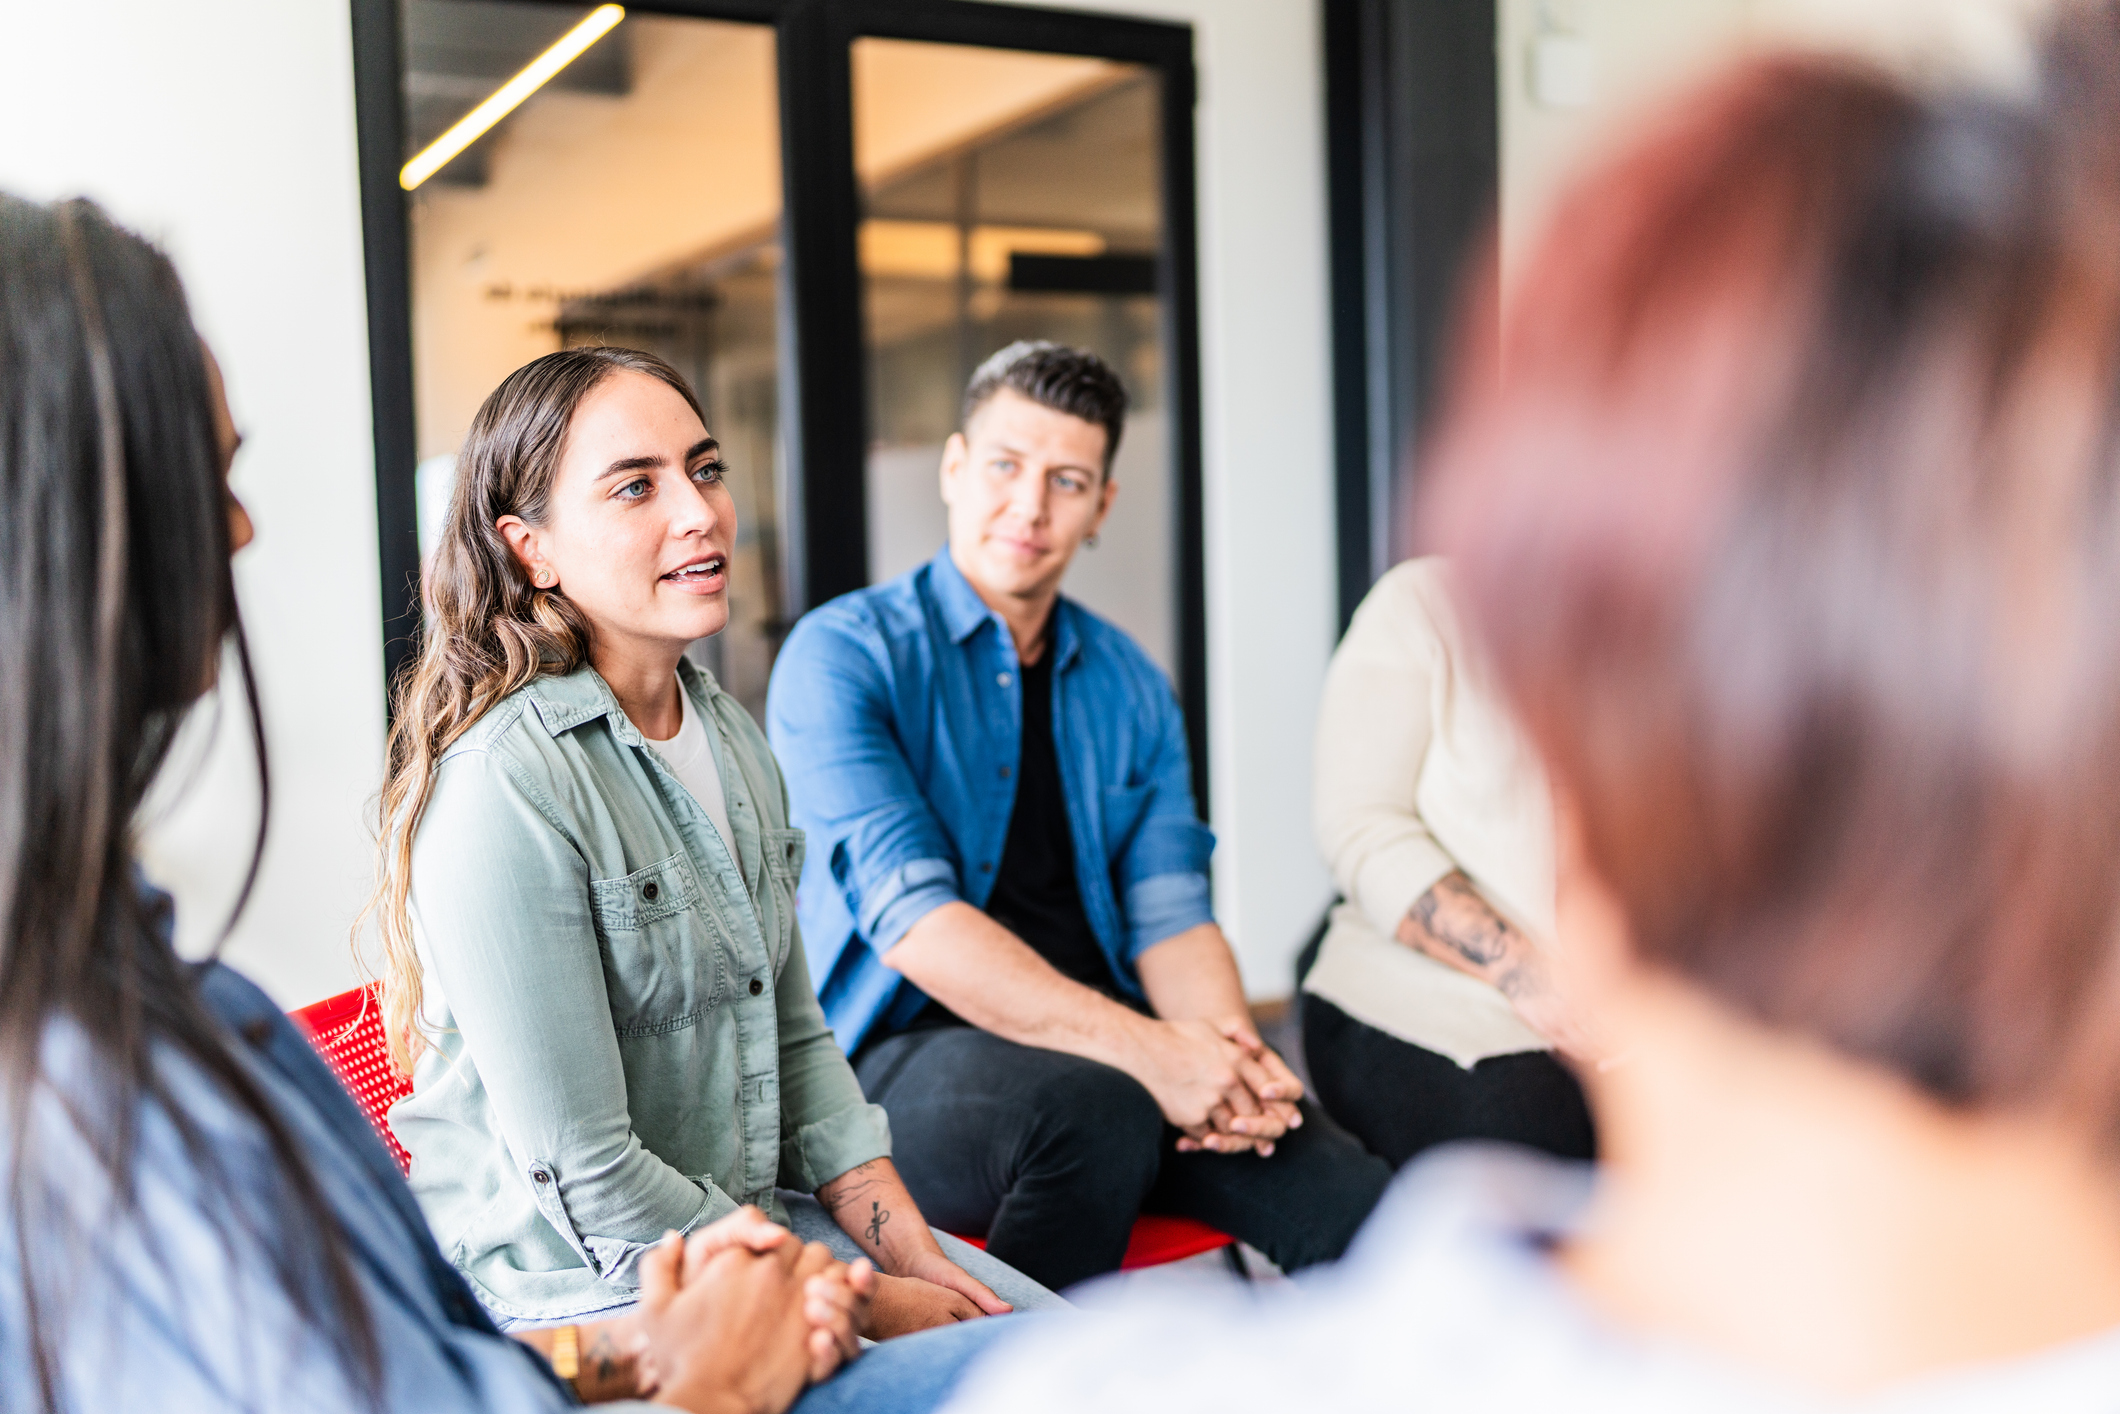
point(347, 1031)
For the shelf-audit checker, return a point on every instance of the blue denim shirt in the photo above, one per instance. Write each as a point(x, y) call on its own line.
point(172, 1313)
point(897, 715)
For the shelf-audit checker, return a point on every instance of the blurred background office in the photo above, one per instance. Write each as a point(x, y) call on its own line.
point(826, 211)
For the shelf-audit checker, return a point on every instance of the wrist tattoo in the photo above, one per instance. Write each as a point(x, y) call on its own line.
point(603, 1357)
point(878, 1216)
point(1459, 921)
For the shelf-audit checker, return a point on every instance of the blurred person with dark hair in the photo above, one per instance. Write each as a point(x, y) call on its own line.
point(1430, 1004)
point(197, 1216)
point(1788, 515)
point(1006, 901)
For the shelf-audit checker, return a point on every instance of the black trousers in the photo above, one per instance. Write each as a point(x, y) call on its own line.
point(1051, 1157)
point(1399, 1098)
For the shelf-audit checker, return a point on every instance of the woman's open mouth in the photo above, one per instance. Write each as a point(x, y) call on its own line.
point(707, 576)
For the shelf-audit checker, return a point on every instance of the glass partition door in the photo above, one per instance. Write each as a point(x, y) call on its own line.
point(825, 212)
point(1010, 195)
point(632, 199)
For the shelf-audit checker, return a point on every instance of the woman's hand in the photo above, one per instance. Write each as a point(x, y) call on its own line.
point(918, 1287)
point(734, 1339)
point(1545, 1008)
point(907, 1304)
point(933, 1267)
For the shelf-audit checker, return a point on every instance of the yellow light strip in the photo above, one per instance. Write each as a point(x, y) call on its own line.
point(504, 100)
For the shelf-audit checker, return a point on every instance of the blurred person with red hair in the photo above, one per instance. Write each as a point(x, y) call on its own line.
point(1787, 516)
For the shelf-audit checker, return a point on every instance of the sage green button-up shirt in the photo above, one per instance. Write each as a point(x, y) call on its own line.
point(627, 1040)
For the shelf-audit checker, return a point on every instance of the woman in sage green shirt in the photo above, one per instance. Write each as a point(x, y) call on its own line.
point(587, 885)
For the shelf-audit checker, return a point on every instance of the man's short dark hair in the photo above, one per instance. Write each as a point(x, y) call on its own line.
point(1073, 381)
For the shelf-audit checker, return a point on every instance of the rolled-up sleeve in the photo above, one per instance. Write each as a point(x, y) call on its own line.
point(1162, 870)
point(500, 896)
point(1374, 726)
point(826, 1125)
point(830, 725)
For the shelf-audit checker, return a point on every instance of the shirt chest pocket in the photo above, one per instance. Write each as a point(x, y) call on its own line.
point(784, 850)
point(662, 968)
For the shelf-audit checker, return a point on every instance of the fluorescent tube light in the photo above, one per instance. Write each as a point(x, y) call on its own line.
point(505, 99)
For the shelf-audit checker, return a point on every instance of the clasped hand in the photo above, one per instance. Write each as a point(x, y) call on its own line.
point(743, 1314)
point(1221, 1086)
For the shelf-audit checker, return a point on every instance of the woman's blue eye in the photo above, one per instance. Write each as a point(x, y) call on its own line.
point(635, 489)
point(707, 473)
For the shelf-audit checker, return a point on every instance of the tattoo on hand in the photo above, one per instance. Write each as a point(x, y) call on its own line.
point(878, 1216)
point(604, 1356)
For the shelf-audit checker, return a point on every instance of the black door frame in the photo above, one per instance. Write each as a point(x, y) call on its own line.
point(824, 403)
point(1413, 163)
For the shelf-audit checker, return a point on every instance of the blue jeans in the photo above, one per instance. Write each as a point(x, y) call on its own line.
point(808, 1220)
point(912, 1374)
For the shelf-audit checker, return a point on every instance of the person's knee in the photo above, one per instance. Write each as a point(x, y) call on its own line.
point(1099, 1116)
point(1342, 1182)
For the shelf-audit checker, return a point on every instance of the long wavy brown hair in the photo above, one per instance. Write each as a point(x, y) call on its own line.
point(489, 630)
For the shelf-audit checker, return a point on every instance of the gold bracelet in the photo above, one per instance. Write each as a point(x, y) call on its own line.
point(567, 1352)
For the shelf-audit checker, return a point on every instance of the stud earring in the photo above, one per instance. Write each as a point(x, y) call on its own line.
point(1091, 542)
point(544, 579)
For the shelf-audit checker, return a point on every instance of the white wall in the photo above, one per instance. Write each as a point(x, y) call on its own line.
point(224, 129)
point(1644, 49)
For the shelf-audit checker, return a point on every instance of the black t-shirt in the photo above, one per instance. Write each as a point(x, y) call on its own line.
point(1035, 894)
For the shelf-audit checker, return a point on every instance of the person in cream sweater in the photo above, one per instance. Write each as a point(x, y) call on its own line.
point(1430, 1012)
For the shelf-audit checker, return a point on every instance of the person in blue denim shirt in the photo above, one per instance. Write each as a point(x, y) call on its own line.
point(197, 1217)
point(1006, 901)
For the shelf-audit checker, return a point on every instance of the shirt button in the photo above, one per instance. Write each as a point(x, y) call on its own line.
point(1004, 773)
point(1004, 679)
point(649, 890)
point(986, 866)
point(540, 1176)
point(757, 986)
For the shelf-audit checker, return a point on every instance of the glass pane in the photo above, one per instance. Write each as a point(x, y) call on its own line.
point(633, 199)
point(1009, 195)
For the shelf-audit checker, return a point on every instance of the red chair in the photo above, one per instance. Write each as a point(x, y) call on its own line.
point(347, 1031)
point(1158, 1239)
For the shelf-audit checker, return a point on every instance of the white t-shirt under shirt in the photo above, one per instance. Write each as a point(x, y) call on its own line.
point(691, 755)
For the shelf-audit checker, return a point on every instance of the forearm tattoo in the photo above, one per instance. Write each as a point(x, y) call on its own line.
point(864, 1182)
point(1452, 922)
